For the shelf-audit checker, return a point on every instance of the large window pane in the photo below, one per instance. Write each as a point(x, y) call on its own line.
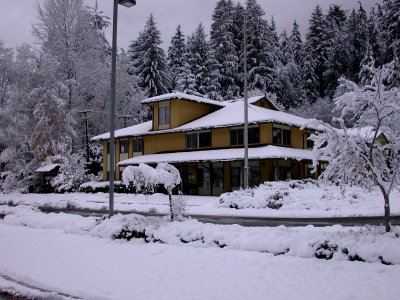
point(138, 145)
point(123, 146)
point(281, 136)
point(163, 114)
point(204, 139)
point(254, 135)
point(191, 141)
point(277, 136)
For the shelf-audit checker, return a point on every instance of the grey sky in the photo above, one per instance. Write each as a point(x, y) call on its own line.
point(16, 16)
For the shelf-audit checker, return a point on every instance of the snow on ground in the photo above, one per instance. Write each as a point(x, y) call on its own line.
point(300, 200)
point(62, 253)
point(369, 244)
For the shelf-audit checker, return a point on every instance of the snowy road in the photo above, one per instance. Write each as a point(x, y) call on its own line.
point(97, 268)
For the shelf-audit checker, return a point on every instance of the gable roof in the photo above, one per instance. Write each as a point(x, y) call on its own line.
point(182, 96)
point(254, 99)
point(230, 114)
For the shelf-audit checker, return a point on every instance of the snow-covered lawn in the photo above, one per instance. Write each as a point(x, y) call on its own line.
point(77, 256)
point(297, 199)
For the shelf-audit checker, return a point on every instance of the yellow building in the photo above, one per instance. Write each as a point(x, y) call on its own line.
point(203, 138)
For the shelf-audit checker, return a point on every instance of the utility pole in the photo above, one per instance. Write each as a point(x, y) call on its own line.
point(85, 116)
point(246, 113)
point(126, 3)
point(126, 117)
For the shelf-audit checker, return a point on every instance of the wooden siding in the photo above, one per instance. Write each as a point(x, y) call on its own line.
point(105, 160)
point(164, 143)
point(130, 151)
point(264, 103)
point(266, 133)
point(297, 138)
point(220, 138)
point(183, 111)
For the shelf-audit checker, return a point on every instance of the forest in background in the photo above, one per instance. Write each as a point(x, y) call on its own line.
point(53, 98)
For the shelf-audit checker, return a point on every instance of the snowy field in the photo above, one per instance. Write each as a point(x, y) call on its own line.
point(73, 256)
point(296, 200)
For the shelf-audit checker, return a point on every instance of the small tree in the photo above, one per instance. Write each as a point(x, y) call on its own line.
point(144, 176)
point(358, 155)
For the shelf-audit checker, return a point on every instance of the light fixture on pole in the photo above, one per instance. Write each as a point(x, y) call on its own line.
point(126, 3)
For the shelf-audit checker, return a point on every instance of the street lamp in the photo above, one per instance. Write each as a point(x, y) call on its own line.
point(126, 3)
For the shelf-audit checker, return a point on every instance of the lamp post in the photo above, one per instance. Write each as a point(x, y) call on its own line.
point(126, 3)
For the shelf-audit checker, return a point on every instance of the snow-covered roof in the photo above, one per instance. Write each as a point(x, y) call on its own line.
point(183, 96)
point(232, 115)
point(263, 152)
point(229, 115)
point(135, 130)
point(254, 99)
point(47, 168)
point(366, 132)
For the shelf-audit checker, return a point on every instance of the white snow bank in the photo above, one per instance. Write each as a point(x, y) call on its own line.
point(369, 244)
point(307, 195)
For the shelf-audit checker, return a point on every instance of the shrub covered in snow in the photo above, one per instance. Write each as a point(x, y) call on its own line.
point(267, 195)
point(146, 178)
point(369, 244)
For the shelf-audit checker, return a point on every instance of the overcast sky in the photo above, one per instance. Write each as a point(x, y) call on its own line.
point(17, 16)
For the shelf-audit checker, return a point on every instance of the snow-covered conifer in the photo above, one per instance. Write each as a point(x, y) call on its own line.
point(176, 51)
point(223, 44)
point(149, 59)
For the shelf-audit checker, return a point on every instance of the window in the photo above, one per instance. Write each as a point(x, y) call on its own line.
point(218, 175)
point(138, 146)
point(198, 140)
point(164, 114)
point(123, 146)
point(236, 175)
point(237, 136)
point(254, 173)
point(283, 170)
point(281, 136)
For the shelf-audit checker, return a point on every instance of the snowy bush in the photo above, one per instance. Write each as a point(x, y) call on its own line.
point(367, 243)
point(147, 178)
point(267, 195)
point(71, 173)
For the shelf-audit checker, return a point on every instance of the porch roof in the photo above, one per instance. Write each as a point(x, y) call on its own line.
point(264, 152)
point(47, 168)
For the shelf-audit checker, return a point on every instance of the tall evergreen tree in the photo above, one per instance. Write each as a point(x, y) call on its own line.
point(390, 23)
point(202, 63)
point(149, 59)
point(238, 41)
point(357, 41)
point(296, 43)
point(338, 58)
point(261, 55)
point(175, 60)
point(222, 42)
point(317, 50)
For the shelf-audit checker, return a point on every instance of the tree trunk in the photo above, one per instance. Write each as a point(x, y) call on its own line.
point(387, 212)
point(170, 205)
